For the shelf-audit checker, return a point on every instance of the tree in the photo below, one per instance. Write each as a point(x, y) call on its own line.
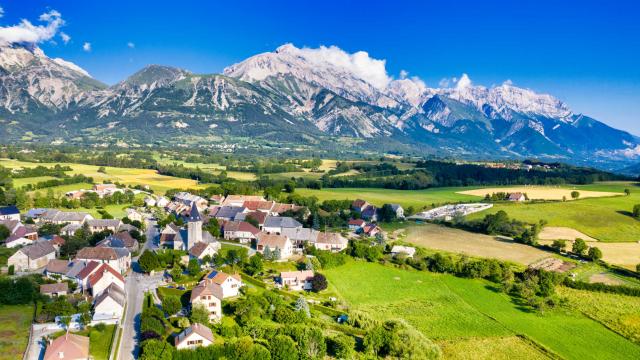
point(318, 282)
point(579, 246)
point(302, 306)
point(283, 347)
point(342, 346)
point(636, 211)
point(193, 267)
point(627, 192)
point(149, 261)
point(4, 232)
point(171, 304)
point(156, 350)
point(176, 272)
point(312, 344)
point(290, 186)
point(559, 245)
point(84, 309)
point(638, 268)
point(199, 314)
point(575, 194)
point(386, 213)
point(11, 270)
point(213, 227)
point(594, 254)
point(255, 265)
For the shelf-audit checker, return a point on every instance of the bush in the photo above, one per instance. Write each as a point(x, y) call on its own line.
point(594, 254)
point(319, 282)
point(282, 347)
point(636, 211)
point(171, 304)
point(341, 346)
point(579, 247)
point(613, 289)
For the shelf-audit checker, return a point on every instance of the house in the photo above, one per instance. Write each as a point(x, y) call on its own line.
point(75, 194)
point(70, 229)
point(106, 189)
point(120, 240)
point(194, 336)
point(9, 213)
point(275, 224)
point(300, 236)
point(104, 276)
point(238, 200)
point(32, 257)
point(170, 235)
point(356, 224)
point(278, 209)
point(57, 241)
point(370, 213)
point(68, 347)
point(258, 216)
point(408, 251)
point(87, 270)
point(54, 290)
point(229, 284)
point(202, 249)
point(99, 225)
point(263, 206)
point(240, 230)
point(20, 234)
point(36, 213)
point(134, 215)
point(331, 241)
point(149, 201)
point(216, 199)
point(162, 202)
point(109, 305)
point(272, 242)
point(229, 213)
point(371, 230)
point(519, 197)
point(117, 258)
point(54, 216)
point(296, 280)
point(210, 296)
point(57, 268)
point(399, 211)
point(189, 199)
point(359, 205)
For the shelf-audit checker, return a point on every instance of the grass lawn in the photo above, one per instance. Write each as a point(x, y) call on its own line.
point(456, 310)
point(5, 253)
point(20, 182)
point(159, 183)
point(416, 198)
point(606, 219)
point(14, 330)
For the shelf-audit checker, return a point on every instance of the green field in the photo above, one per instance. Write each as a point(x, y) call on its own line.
point(606, 219)
point(18, 183)
point(159, 183)
point(14, 330)
point(416, 198)
point(455, 310)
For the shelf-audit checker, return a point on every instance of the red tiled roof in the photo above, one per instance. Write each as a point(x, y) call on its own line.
point(102, 270)
point(88, 269)
point(72, 346)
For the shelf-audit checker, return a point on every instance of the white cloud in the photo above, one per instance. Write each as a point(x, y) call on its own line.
point(463, 82)
point(444, 83)
point(359, 63)
point(508, 82)
point(404, 74)
point(65, 38)
point(1, 11)
point(86, 46)
point(26, 32)
point(131, 45)
point(72, 66)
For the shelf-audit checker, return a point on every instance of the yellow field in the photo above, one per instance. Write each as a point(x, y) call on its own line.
point(626, 254)
point(563, 233)
point(159, 183)
point(453, 240)
point(540, 192)
point(495, 348)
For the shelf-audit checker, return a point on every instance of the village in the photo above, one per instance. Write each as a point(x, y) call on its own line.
point(112, 277)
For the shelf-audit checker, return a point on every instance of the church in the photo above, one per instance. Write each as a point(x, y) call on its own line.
point(176, 238)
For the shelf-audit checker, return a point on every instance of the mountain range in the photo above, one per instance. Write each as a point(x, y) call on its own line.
point(296, 98)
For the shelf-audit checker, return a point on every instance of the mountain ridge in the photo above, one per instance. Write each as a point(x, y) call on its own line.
point(310, 97)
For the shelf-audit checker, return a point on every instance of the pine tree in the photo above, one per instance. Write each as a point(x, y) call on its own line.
point(267, 253)
point(277, 254)
point(302, 306)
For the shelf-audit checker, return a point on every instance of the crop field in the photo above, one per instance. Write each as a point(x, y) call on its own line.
point(14, 330)
point(606, 219)
point(541, 192)
point(454, 240)
point(416, 198)
point(159, 183)
point(18, 183)
point(459, 312)
point(623, 254)
point(505, 348)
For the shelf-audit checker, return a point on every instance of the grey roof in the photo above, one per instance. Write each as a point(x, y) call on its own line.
point(395, 207)
point(127, 227)
point(76, 267)
point(71, 228)
point(64, 216)
point(300, 234)
point(113, 291)
point(229, 212)
point(194, 214)
point(38, 250)
point(281, 222)
point(36, 212)
point(104, 223)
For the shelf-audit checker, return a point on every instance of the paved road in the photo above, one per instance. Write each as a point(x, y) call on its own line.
point(136, 285)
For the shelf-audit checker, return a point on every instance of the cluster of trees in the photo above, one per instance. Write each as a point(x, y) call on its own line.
point(579, 248)
point(500, 224)
point(501, 196)
point(65, 307)
point(67, 180)
point(396, 339)
point(54, 171)
point(153, 324)
point(81, 239)
point(21, 290)
point(536, 287)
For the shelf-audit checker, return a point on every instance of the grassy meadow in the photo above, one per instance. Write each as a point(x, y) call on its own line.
point(455, 312)
point(15, 321)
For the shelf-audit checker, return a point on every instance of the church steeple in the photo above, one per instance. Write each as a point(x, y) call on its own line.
point(194, 214)
point(194, 227)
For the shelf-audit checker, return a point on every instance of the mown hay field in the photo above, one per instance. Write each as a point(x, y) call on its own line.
point(541, 192)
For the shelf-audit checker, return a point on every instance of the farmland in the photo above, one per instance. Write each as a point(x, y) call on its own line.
point(461, 313)
point(453, 240)
point(541, 192)
point(14, 330)
point(158, 183)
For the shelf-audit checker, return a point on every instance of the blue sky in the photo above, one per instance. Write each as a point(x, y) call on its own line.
point(584, 52)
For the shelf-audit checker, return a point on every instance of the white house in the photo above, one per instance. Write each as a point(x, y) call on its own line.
point(242, 231)
point(202, 249)
point(134, 215)
point(406, 250)
point(149, 201)
point(229, 284)
point(518, 197)
point(32, 257)
point(398, 210)
point(109, 305)
point(118, 258)
point(331, 241)
point(275, 224)
point(194, 336)
point(162, 202)
point(98, 225)
point(209, 296)
point(356, 224)
point(296, 280)
point(274, 241)
point(103, 277)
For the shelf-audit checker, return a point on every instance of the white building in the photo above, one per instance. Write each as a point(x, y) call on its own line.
point(296, 280)
point(210, 297)
point(194, 336)
point(229, 284)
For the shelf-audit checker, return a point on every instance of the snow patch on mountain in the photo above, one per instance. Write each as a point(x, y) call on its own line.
point(72, 66)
